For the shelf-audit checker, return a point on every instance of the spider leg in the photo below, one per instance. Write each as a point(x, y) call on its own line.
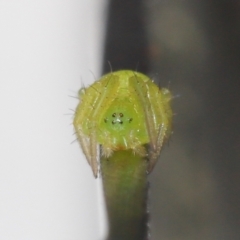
point(164, 129)
point(154, 153)
point(154, 137)
point(84, 142)
point(94, 153)
point(90, 149)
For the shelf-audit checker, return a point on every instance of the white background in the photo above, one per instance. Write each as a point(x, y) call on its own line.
point(47, 49)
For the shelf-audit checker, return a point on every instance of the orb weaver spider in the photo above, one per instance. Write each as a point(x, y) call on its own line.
point(123, 110)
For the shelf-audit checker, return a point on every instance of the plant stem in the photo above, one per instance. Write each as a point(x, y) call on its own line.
point(125, 189)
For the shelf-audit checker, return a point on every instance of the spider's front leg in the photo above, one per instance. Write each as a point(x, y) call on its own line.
point(145, 94)
point(158, 114)
point(84, 142)
point(90, 149)
point(160, 111)
point(94, 153)
point(155, 148)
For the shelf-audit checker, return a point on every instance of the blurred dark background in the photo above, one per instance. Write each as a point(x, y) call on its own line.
point(192, 47)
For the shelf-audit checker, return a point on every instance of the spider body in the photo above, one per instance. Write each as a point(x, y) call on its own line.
point(123, 110)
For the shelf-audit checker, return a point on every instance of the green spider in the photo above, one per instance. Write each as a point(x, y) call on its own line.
point(123, 110)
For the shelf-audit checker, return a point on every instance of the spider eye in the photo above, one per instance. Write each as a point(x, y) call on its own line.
point(130, 120)
point(121, 114)
point(114, 115)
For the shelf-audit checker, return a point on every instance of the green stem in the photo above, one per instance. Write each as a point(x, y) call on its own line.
point(125, 189)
